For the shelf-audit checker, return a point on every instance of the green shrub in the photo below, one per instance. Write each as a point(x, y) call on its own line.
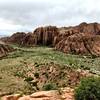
point(28, 79)
point(36, 75)
point(49, 86)
point(46, 74)
point(19, 74)
point(36, 64)
point(88, 89)
point(85, 67)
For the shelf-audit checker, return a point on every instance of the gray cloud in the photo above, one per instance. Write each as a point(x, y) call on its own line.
point(28, 14)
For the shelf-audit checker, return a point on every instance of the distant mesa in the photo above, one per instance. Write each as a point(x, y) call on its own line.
point(81, 39)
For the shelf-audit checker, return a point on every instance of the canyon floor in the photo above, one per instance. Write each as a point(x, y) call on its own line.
point(28, 70)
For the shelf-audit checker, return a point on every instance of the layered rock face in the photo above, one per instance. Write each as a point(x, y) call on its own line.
point(80, 39)
point(79, 44)
point(4, 49)
point(41, 36)
point(28, 40)
point(21, 38)
point(92, 28)
point(45, 35)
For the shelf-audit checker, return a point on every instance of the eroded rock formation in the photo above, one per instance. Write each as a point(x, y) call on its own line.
point(80, 39)
point(4, 49)
point(41, 36)
point(45, 35)
point(17, 38)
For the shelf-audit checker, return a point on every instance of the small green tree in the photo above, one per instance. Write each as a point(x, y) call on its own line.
point(88, 89)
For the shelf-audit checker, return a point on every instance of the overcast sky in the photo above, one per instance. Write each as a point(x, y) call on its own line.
point(26, 15)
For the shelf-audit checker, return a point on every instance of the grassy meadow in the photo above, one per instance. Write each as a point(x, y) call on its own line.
point(17, 63)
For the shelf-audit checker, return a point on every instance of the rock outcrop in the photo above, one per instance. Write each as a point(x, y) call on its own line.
point(4, 49)
point(80, 39)
point(92, 28)
point(41, 36)
point(17, 38)
point(45, 35)
point(63, 94)
point(28, 40)
point(21, 38)
point(80, 44)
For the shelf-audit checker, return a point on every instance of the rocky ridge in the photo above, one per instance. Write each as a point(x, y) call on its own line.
point(80, 39)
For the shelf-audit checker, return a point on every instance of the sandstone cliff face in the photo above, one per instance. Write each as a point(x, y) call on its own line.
point(45, 35)
point(87, 29)
point(41, 36)
point(29, 40)
point(80, 39)
point(80, 44)
point(92, 28)
point(21, 38)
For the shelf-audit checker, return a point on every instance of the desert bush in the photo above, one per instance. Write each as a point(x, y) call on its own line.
point(19, 74)
point(49, 86)
point(36, 75)
point(88, 89)
point(84, 67)
point(28, 79)
point(46, 74)
point(36, 64)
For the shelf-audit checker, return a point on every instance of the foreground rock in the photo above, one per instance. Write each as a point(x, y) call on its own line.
point(63, 94)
